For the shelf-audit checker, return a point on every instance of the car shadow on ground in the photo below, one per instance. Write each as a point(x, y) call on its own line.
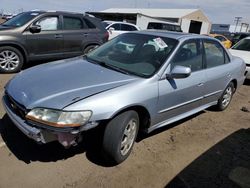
point(247, 82)
point(29, 151)
point(226, 164)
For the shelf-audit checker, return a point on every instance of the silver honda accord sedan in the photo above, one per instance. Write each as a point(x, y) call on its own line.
point(139, 81)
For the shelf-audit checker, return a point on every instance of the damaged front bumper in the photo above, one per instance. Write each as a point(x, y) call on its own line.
point(41, 134)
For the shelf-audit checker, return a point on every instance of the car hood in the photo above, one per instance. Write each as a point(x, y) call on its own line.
point(61, 83)
point(245, 55)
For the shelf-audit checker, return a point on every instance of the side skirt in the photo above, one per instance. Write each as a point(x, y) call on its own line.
point(179, 117)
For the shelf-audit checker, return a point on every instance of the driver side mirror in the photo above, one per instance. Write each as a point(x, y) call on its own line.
point(35, 29)
point(179, 72)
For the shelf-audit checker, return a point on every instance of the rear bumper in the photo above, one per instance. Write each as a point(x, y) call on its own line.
point(39, 135)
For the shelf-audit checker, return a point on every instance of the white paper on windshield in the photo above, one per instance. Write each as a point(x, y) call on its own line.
point(160, 43)
point(34, 14)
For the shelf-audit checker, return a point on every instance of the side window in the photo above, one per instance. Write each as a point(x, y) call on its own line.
point(72, 23)
point(189, 55)
point(48, 23)
point(125, 27)
point(214, 54)
point(116, 26)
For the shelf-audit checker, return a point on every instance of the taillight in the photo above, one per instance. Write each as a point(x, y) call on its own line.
point(106, 36)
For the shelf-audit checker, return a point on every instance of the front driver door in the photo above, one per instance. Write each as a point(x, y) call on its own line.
point(49, 42)
point(179, 96)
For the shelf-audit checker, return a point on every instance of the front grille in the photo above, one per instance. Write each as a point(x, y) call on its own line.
point(19, 109)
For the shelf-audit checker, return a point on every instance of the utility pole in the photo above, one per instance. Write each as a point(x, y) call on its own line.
point(242, 24)
point(247, 25)
point(237, 20)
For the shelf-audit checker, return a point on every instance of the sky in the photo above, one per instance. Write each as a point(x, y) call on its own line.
point(218, 11)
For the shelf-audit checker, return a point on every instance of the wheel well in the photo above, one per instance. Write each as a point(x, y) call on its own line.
point(144, 116)
point(91, 44)
point(234, 81)
point(17, 47)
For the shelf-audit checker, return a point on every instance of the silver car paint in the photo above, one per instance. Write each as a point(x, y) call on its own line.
point(165, 100)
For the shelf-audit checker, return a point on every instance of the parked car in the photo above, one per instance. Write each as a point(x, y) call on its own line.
point(236, 37)
point(225, 41)
point(117, 28)
point(164, 26)
point(242, 50)
point(40, 35)
point(137, 81)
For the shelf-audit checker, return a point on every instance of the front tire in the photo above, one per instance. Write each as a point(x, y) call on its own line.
point(226, 97)
point(11, 59)
point(119, 136)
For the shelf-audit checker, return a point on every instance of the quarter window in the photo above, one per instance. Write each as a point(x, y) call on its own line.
point(189, 55)
point(48, 23)
point(71, 23)
point(214, 54)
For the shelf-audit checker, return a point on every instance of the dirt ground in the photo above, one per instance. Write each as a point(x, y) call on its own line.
point(210, 149)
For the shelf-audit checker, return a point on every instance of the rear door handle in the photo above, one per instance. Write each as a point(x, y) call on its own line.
point(85, 34)
point(58, 36)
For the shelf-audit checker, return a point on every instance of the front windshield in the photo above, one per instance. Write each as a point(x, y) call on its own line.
point(137, 54)
point(244, 45)
point(21, 19)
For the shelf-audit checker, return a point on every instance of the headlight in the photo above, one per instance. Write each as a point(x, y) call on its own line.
point(58, 118)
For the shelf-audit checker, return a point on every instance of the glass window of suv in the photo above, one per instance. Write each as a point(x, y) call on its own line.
point(116, 26)
point(189, 55)
point(215, 54)
point(89, 24)
point(48, 23)
point(244, 45)
point(72, 23)
point(126, 27)
point(21, 19)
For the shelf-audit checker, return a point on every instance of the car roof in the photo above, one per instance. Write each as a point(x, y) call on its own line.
point(54, 11)
point(173, 35)
point(111, 22)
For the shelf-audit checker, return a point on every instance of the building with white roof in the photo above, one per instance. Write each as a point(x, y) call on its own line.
point(190, 20)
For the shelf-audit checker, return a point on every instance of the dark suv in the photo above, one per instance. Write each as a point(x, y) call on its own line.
point(40, 35)
point(236, 37)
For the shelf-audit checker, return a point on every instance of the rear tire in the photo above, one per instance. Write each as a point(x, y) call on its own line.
point(226, 97)
point(11, 59)
point(120, 135)
point(89, 48)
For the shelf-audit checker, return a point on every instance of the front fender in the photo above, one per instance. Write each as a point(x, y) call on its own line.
point(107, 104)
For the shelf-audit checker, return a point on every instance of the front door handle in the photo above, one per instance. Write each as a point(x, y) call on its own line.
point(58, 36)
point(200, 84)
